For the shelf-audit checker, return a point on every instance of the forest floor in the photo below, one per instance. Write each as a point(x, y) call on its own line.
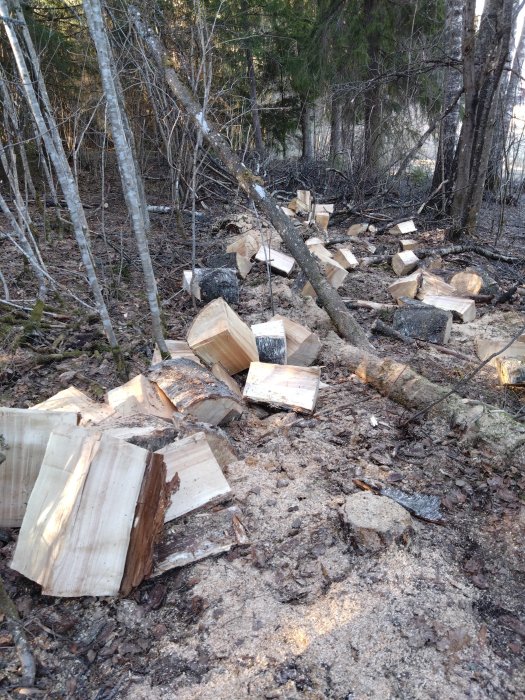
point(297, 613)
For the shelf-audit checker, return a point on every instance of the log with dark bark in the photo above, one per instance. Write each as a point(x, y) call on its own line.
point(345, 323)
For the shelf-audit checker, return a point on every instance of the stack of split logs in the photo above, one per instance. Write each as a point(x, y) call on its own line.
point(99, 490)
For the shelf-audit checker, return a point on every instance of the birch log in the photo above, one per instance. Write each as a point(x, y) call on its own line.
point(342, 319)
point(488, 426)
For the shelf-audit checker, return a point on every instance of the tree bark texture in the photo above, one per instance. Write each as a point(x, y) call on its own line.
point(509, 97)
point(484, 56)
point(332, 302)
point(336, 131)
point(308, 130)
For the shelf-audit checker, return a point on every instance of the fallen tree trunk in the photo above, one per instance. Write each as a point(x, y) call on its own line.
point(488, 426)
point(252, 186)
point(446, 250)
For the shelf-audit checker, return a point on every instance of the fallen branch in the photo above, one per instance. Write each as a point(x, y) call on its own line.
point(252, 186)
point(447, 250)
point(365, 304)
point(390, 332)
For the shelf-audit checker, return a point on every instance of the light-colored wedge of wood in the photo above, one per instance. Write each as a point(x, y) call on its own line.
point(404, 262)
point(177, 348)
point(25, 435)
point(278, 261)
point(463, 310)
point(76, 532)
point(218, 334)
point(72, 400)
point(302, 345)
point(287, 386)
point(201, 478)
point(403, 228)
point(139, 395)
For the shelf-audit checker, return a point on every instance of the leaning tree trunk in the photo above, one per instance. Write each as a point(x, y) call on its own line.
point(48, 130)
point(332, 302)
point(451, 86)
point(484, 56)
point(133, 193)
point(509, 98)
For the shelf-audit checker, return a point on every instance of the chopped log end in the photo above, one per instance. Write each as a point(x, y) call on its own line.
point(406, 286)
point(403, 263)
point(511, 371)
point(271, 342)
point(463, 310)
point(218, 334)
point(295, 388)
point(196, 392)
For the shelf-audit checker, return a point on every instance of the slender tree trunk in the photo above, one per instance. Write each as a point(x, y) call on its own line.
point(48, 130)
point(509, 97)
point(372, 97)
point(133, 190)
point(332, 302)
point(451, 86)
point(11, 124)
point(20, 241)
point(336, 130)
point(252, 83)
point(308, 131)
point(484, 56)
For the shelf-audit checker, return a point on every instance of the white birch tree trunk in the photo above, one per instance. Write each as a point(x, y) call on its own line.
point(48, 130)
point(132, 185)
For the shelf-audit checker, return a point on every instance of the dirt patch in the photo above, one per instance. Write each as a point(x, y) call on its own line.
point(297, 613)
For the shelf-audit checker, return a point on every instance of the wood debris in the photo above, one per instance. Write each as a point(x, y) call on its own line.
point(217, 334)
point(286, 386)
point(25, 434)
point(278, 261)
